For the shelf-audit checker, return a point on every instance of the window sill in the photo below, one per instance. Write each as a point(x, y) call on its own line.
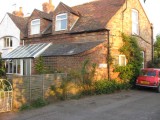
point(6, 48)
point(60, 30)
point(13, 74)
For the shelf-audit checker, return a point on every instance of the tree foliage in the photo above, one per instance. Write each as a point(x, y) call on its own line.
point(39, 65)
point(2, 69)
point(156, 62)
point(157, 47)
point(132, 51)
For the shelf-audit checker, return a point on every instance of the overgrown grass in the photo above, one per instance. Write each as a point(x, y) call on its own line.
point(34, 104)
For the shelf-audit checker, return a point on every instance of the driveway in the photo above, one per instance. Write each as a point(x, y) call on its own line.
point(126, 105)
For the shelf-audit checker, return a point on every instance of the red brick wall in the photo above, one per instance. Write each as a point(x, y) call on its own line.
point(74, 63)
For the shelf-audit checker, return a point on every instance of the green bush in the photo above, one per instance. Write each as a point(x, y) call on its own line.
point(109, 86)
point(105, 86)
point(25, 107)
point(39, 103)
point(132, 51)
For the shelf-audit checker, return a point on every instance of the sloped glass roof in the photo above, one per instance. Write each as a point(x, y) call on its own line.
point(27, 51)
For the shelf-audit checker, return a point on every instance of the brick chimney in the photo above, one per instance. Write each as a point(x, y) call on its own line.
point(18, 13)
point(50, 2)
point(48, 7)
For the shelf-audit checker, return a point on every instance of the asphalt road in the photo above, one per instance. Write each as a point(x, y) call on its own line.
point(126, 105)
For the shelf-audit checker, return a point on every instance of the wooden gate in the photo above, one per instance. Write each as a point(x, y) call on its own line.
point(6, 94)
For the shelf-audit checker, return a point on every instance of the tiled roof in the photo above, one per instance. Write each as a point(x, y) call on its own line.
point(44, 14)
point(69, 48)
point(70, 9)
point(95, 15)
point(21, 22)
point(92, 16)
point(48, 30)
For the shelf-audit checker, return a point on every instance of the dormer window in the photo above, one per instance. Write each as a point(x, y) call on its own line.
point(8, 42)
point(61, 22)
point(35, 26)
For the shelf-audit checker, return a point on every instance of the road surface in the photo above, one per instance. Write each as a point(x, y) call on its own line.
point(126, 105)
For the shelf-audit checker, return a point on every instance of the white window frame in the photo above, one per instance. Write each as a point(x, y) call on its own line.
point(8, 42)
point(135, 22)
point(16, 64)
point(58, 28)
point(119, 61)
point(35, 25)
point(143, 55)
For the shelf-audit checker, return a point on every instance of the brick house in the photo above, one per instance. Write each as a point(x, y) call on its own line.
point(74, 34)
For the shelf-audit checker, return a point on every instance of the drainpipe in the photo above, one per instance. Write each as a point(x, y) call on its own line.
point(108, 56)
point(152, 43)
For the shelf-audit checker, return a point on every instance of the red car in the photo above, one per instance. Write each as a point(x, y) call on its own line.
point(150, 77)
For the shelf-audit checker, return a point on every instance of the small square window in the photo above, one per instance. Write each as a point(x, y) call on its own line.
point(120, 60)
point(8, 42)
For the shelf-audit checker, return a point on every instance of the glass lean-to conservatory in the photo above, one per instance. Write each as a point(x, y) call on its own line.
point(19, 61)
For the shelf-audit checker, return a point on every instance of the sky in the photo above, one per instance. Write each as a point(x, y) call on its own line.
point(152, 8)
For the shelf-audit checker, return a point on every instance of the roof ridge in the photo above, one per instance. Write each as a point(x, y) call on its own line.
point(70, 9)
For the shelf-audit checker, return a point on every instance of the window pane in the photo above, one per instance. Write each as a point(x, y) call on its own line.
point(64, 24)
point(61, 22)
point(35, 29)
point(7, 42)
point(116, 60)
point(122, 60)
point(18, 66)
point(14, 66)
point(28, 67)
point(10, 67)
point(35, 22)
point(35, 26)
point(24, 67)
point(61, 17)
point(58, 25)
point(135, 23)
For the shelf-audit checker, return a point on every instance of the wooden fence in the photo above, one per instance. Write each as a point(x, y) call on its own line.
point(29, 88)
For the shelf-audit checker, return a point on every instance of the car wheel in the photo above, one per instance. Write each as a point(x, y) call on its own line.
point(158, 89)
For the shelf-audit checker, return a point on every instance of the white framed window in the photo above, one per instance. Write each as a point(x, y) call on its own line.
point(19, 66)
point(8, 42)
point(35, 26)
point(9, 66)
point(143, 54)
point(61, 22)
point(135, 22)
point(120, 60)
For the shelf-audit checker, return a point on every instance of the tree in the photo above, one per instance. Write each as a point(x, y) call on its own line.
point(2, 69)
point(157, 48)
point(39, 65)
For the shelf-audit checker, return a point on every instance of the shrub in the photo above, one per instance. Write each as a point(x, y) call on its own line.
point(109, 86)
point(132, 51)
point(25, 107)
point(39, 103)
point(105, 86)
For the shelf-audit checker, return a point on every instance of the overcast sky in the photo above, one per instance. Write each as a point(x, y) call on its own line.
point(152, 8)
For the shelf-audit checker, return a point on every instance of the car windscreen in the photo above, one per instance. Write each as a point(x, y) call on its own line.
point(148, 73)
